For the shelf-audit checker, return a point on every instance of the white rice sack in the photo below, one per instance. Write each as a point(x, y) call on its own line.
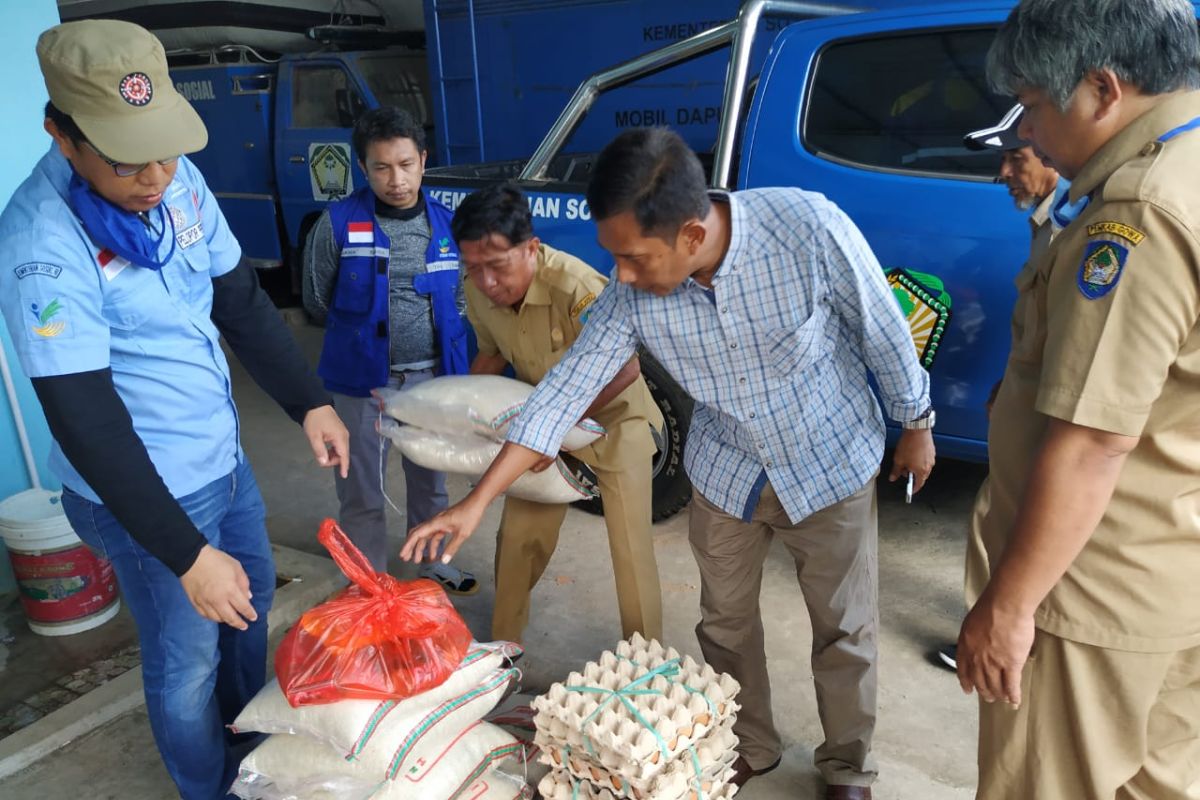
point(448, 774)
point(515, 714)
point(353, 726)
point(287, 766)
point(496, 784)
point(481, 404)
point(473, 455)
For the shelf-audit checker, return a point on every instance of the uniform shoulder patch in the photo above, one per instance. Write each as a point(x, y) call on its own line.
point(1126, 232)
point(37, 268)
point(49, 319)
point(1101, 268)
point(582, 305)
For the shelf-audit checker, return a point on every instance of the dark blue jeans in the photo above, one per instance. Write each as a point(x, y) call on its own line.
point(198, 674)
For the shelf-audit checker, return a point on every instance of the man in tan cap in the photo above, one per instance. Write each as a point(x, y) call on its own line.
point(118, 276)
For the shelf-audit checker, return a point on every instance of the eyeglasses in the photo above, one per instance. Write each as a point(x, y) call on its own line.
point(502, 265)
point(127, 170)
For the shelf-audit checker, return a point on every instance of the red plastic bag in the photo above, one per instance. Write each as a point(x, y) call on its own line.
point(378, 639)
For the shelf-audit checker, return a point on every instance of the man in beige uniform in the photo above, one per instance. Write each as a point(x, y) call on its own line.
point(1033, 185)
point(1090, 623)
point(528, 302)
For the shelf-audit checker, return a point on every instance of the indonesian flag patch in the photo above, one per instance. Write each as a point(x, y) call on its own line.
point(360, 233)
point(111, 265)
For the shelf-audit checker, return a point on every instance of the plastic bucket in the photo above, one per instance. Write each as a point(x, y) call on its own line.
point(64, 588)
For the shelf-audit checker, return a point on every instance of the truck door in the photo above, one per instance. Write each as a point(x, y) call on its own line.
point(870, 110)
point(314, 159)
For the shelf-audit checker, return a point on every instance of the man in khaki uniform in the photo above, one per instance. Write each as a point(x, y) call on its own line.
point(1033, 185)
point(528, 302)
point(1090, 623)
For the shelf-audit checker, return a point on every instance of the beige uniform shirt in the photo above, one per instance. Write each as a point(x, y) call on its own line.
point(535, 337)
point(1105, 336)
point(1042, 232)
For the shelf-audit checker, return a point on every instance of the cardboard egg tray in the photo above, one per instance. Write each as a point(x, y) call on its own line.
point(635, 722)
point(713, 758)
point(560, 785)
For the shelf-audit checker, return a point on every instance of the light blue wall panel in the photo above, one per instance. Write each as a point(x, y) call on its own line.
point(22, 142)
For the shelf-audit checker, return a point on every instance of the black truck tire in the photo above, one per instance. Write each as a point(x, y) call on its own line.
point(671, 488)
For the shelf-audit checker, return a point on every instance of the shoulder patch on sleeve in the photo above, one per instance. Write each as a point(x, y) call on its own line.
point(37, 268)
point(49, 320)
point(1101, 268)
point(1126, 232)
point(582, 305)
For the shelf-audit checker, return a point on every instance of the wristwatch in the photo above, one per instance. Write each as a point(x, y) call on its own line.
point(924, 422)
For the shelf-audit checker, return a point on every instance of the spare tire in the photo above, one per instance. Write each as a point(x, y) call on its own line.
point(672, 489)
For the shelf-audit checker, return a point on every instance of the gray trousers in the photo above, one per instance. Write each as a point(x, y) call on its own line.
point(361, 494)
point(835, 551)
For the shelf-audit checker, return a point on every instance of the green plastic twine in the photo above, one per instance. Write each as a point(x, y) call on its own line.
point(668, 670)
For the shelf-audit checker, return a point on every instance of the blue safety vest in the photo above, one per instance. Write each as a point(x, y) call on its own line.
point(356, 356)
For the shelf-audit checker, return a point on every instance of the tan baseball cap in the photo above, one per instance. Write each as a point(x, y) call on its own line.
point(111, 78)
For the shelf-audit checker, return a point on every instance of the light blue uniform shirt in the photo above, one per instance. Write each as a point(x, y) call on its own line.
point(72, 307)
point(776, 356)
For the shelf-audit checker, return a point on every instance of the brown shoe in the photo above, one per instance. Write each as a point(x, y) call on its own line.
point(743, 772)
point(848, 793)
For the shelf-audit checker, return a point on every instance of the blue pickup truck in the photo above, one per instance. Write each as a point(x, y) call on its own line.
point(869, 109)
point(280, 125)
point(490, 81)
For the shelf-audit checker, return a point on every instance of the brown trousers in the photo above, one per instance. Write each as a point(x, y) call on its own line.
point(836, 555)
point(1095, 724)
point(529, 533)
point(978, 571)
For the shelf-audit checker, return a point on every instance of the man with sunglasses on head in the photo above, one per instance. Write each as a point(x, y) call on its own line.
point(118, 278)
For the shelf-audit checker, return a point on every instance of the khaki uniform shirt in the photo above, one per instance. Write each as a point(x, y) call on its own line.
point(1105, 336)
point(535, 337)
point(1042, 232)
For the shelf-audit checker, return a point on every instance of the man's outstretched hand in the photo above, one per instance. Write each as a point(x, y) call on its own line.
point(453, 527)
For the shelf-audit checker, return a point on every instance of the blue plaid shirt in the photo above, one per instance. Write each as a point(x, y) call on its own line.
point(776, 356)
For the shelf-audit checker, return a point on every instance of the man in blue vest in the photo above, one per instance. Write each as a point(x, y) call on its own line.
point(382, 273)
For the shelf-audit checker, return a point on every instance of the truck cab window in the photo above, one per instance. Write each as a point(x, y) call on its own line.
point(325, 97)
point(904, 103)
point(401, 81)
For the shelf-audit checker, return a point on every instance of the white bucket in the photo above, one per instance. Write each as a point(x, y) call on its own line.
point(64, 588)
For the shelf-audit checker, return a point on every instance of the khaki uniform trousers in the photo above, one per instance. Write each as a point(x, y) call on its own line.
point(978, 571)
point(836, 555)
point(1095, 724)
point(529, 533)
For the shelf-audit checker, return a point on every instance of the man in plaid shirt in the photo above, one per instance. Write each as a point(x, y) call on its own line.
point(769, 308)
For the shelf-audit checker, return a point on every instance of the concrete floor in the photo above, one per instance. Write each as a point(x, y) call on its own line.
point(925, 740)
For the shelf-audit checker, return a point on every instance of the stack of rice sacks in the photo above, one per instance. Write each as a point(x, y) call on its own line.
point(432, 746)
point(643, 723)
point(458, 423)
